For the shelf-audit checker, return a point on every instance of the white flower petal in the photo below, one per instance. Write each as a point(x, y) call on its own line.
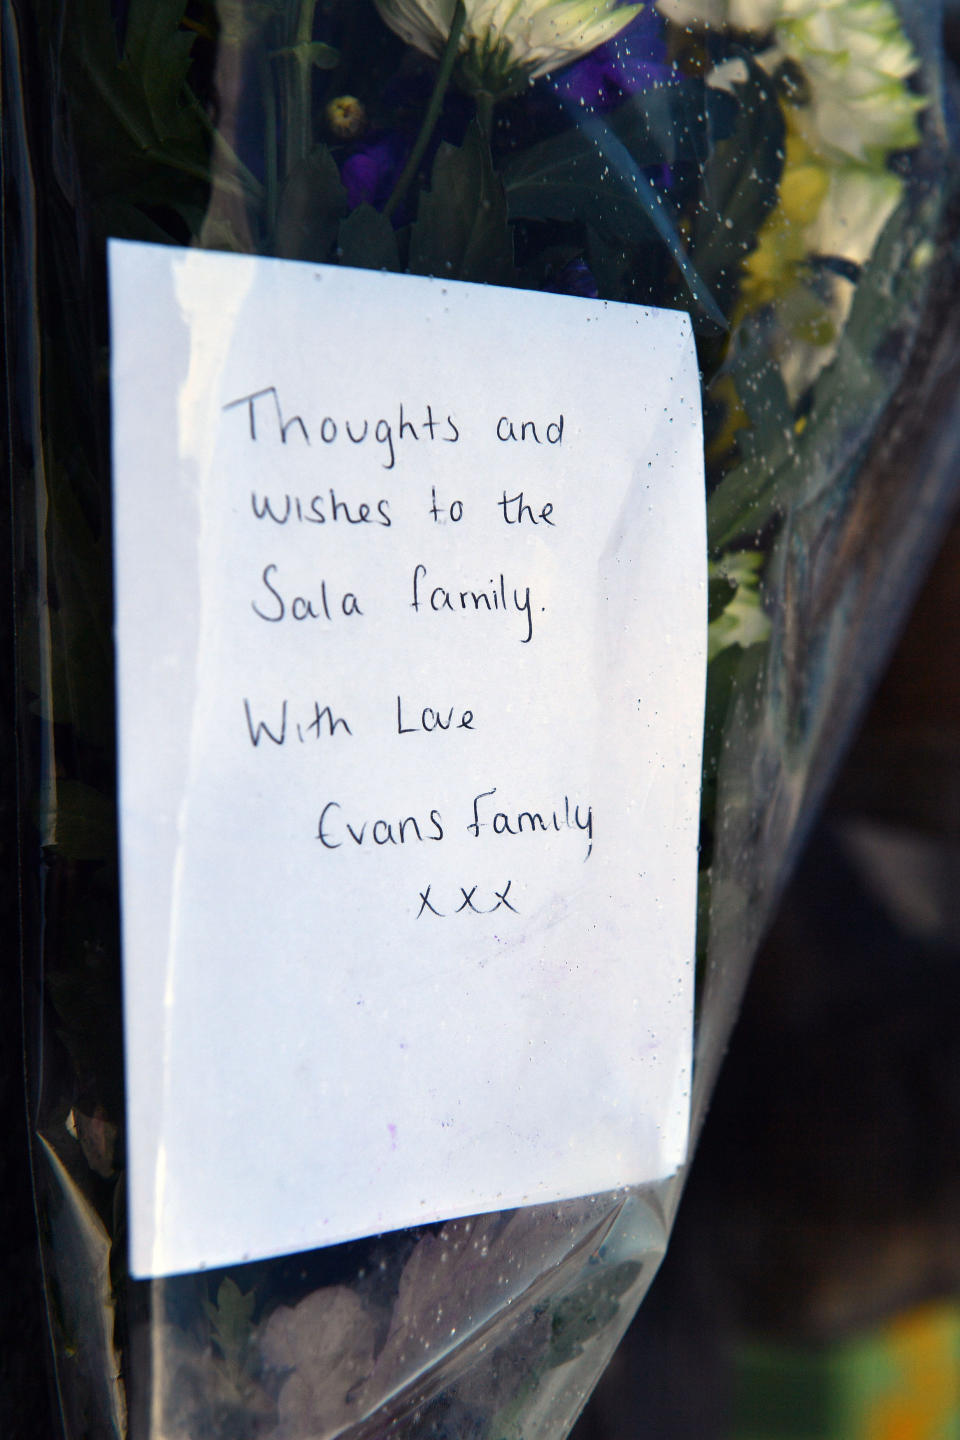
point(521, 38)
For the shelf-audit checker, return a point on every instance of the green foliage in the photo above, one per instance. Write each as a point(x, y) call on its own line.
point(135, 124)
point(739, 187)
point(461, 230)
point(769, 443)
point(231, 1324)
point(594, 174)
point(733, 671)
point(588, 1309)
point(157, 55)
point(313, 203)
point(368, 241)
point(568, 178)
point(788, 465)
point(669, 126)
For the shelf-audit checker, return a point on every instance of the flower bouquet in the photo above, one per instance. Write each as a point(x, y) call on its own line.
point(778, 170)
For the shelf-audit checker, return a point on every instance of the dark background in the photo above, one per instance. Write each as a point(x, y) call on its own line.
point(824, 1197)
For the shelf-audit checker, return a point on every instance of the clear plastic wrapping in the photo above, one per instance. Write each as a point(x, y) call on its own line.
point(785, 174)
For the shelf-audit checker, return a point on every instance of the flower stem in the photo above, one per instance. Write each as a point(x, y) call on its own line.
point(485, 112)
point(447, 62)
point(271, 159)
point(303, 91)
point(297, 83)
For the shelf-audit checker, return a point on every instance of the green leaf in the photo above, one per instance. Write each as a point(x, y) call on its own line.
point(231, 1322)
point(157, 55)
point(732, 672)
point(595, 175)
point(325, 57)
point(763, 395)
point(367, 240)
point(580, 1315)
point(671, 125)
point(741, 182)
point(312, 204)
point(792, 469)
point(144, 91)
point(673, 120)
point(565, 180)
point(573, 158)
point(461, 230)
point(768, 446)
point(567, 177)
point(133, 122)
point(609, 265)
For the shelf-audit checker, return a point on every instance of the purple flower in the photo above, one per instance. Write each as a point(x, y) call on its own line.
point(576, 278)
point(371, 172)
point(635, 60)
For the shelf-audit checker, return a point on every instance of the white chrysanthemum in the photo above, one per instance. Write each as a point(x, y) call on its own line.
point(854, 56)
point(506, 42)
point(852, 109)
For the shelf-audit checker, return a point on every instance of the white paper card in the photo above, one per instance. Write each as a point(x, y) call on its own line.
point(411, 629)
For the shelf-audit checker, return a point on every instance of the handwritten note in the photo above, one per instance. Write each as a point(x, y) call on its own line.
point(411, 624)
